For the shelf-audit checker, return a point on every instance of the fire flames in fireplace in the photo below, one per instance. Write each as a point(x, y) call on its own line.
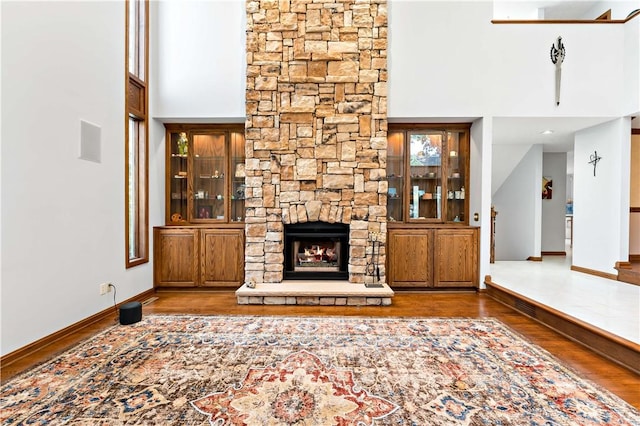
point(317, 254)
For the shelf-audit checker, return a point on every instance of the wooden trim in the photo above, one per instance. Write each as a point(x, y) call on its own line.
point(558, 21)
point(636, 13)
point(632, 15)
point(634, 209)
point(629, 276)
point(554, 253)
point(606, 16)
point(12, 357)
point(535, 258)
point(635, 131)
point(634, 258)
point(185, 126)
point(623, 265)
point(137, 105)
point(594, 272)
point(610, 346)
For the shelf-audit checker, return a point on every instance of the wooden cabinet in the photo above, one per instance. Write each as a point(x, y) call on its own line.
point(428, 173)
point(205, 176)
point(176, 257)
point(410, 261)
point(457, 253)
point(198, 257)
point(203, 242)
point(433, 257)
point(222, 257)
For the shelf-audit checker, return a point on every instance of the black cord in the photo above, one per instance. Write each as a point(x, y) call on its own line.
point(115, 307)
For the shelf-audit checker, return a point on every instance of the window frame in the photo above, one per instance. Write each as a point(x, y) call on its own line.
point(136, 199)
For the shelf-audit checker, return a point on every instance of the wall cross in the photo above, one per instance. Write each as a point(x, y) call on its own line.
point(594, 160)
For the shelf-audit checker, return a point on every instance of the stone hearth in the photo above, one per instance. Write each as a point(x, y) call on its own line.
point(316, 128)
point(322, 293)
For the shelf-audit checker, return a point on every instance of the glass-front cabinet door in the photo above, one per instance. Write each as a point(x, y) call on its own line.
point(427, 172)
point(177, 177)
point(456, 177)
point(395, 176)
point(205, 180)
point(209, 176)
point(237, 176)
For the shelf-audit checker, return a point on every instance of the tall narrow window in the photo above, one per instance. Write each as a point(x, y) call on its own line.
point(136, 132)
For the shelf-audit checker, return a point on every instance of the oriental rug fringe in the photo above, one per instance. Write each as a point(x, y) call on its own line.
point(257, 370)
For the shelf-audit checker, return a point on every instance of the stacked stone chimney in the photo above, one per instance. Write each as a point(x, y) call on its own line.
point(316, 129)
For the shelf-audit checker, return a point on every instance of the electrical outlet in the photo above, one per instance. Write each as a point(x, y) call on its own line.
point(105, 288)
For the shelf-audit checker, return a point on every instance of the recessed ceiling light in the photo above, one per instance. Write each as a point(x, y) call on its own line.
point(547, 132)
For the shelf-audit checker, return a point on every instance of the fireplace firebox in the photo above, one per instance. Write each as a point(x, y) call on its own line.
point(316, 251)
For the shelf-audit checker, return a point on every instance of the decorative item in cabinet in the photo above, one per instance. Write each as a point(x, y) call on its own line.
point(435, 159)
point(205, 173)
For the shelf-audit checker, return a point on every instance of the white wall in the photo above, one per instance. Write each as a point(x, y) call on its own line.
point(201, 60)
point(438, 70)
point(620, 9)
point(601, 202)
point(533, 10)
point(523, 76)
point(479, 194)
point(518, 203)
point(634, 220)
point(62, 217)
point(503, 70)
point(631, 100)
point(506, 158)
point(554, 165)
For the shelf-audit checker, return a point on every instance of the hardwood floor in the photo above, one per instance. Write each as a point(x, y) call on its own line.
point(630, 275)
point(586, 363)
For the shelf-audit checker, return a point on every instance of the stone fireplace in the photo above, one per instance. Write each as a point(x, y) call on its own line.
point(316, 133)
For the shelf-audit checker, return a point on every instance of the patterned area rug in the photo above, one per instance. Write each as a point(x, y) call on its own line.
point(246, 370)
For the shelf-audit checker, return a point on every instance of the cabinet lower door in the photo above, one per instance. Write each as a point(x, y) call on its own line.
point(410, 256)
point(457, 253)
point(176, 254)
point(222, 257)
